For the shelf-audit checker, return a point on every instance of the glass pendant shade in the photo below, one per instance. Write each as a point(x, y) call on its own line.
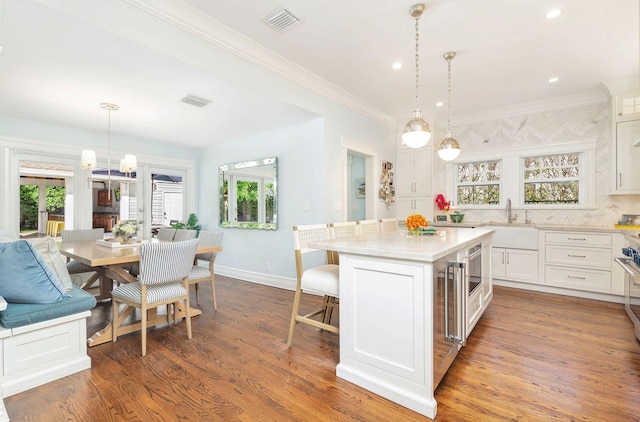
point(449, 149)
point(88, 159)
point(417, 132)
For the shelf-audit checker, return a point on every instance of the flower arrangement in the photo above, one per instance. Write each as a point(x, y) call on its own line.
point(442, 203)
point(416, 220)
point(125, 228)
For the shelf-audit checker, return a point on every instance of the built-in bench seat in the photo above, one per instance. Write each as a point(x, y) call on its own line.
point(41, 343)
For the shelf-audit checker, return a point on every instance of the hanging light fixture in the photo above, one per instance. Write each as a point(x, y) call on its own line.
point(449, 148)
point(417, 132)
point(88, 158)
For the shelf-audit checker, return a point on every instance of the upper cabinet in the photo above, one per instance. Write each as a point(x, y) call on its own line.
point(626, 106)
point(625, 176)
point(414, 180)
point(414, 171)
point(627, 161)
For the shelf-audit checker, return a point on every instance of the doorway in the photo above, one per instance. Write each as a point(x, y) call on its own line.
point(360, 190)
point(43, 197)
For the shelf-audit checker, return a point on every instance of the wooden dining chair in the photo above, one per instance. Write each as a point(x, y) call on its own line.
point(163, 280)
point(320, 280)
point(77, 267)
point(200, 274)
point(388, 224)
point(368, 226)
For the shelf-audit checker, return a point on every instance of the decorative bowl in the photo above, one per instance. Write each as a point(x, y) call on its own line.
point(456, 218)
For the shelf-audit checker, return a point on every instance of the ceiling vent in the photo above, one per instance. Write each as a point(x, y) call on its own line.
point(282, 19)
point(195, 101)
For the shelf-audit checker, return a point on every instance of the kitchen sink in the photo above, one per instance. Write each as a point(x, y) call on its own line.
point(515, 237)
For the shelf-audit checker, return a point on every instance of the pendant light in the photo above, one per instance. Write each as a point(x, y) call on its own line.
point(88, 158)
point(449, 148)
point(417, 132)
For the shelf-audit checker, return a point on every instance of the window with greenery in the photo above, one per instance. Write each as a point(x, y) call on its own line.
point(552, 179)
point(29, 204)
point(478, 183)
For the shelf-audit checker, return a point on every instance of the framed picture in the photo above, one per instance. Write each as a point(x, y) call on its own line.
point(441, 218)
point(360, 188)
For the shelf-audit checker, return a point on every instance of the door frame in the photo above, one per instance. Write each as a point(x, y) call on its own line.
point(371, 159)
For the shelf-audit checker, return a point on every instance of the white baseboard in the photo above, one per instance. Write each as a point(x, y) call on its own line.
point(259, 278)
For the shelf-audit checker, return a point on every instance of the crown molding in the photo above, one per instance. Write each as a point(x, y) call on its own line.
point(191, 20)
point(557, 103)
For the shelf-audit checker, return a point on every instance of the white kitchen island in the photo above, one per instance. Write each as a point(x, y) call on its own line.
point(396, 339)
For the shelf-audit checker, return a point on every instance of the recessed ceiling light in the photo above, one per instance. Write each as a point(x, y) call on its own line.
point(553, 80)
point(552, 14)
point(396, 65)
point(439, 104)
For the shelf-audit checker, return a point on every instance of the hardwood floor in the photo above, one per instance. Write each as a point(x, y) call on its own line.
point(532, 357)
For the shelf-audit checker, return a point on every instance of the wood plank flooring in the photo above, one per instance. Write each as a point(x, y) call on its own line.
point(532, 357)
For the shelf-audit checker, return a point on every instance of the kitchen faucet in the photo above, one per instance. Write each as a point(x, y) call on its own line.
point(510, 218)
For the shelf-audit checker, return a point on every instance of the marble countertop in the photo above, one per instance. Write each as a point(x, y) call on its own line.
point(400, 245)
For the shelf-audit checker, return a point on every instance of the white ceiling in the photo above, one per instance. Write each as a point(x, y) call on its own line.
point(61, 58)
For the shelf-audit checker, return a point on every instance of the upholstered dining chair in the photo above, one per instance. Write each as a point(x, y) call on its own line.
point(163, 280)
point(200, 274)
point(368, 226)
point(77, 267)
point(388, 224)
point(321, 279)
point(184, 234)
point(166, 234)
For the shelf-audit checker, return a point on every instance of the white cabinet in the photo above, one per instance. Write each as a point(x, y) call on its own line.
point(515, 264)
point(414, 171)
point(414, 182)
point(408, 205)
point(625, 142)
point(582, 261)
point(627, 150)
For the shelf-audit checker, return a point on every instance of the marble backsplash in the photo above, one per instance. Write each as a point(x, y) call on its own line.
point(545, 128)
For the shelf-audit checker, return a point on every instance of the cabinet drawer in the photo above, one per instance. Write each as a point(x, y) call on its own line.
point(583, 257)
point(580, 279)
point(574, 238)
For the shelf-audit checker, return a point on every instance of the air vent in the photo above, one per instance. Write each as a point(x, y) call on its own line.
point(195, 101)
point(282, 19)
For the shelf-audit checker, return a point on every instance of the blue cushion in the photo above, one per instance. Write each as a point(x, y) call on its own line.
point(25, 277)
point(19, 314)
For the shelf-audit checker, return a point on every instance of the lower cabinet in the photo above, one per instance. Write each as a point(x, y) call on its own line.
point(582, 261)
point(515, 264)
point(414, 205)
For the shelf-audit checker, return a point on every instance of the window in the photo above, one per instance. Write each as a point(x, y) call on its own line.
point(552, 179)
point(478, 183)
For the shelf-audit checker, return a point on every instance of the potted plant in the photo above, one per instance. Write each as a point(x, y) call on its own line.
point(191, 224)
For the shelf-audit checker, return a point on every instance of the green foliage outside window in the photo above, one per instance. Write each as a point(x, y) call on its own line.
point(29, 204)
point(478, 183)
point(552, 179)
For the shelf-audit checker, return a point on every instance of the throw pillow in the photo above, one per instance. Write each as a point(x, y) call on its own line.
point(25, 277)
point(48, 249)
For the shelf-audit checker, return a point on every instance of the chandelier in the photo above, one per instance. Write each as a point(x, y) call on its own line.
point(88, 158)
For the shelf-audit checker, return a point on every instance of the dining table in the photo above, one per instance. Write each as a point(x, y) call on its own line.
point(113, 261)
